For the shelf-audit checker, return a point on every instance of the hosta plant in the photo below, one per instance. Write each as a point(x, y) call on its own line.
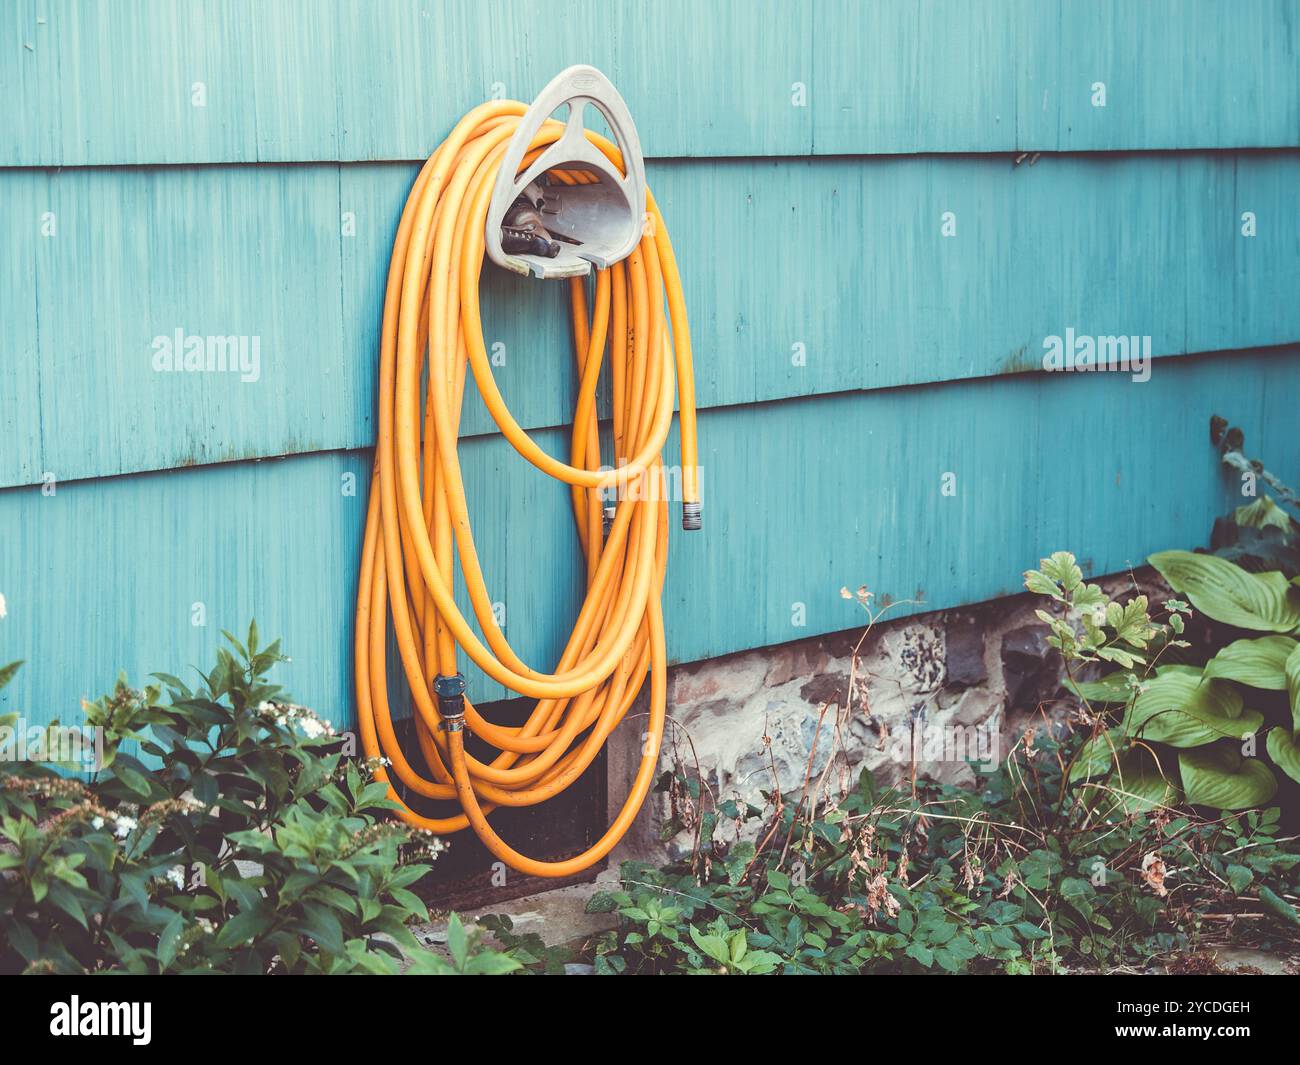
point(1210, 722)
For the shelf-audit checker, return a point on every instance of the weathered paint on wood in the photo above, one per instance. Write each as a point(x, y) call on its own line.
point(803, 497)
point(802, 277)
point(98, 83)
point(816, 476)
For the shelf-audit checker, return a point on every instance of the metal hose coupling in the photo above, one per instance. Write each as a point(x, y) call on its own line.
point(692, 517)
point(450, 692)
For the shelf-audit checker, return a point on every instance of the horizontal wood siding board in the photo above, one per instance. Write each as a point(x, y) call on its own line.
point(304, 81)
point(840, 262)
point(104, 574)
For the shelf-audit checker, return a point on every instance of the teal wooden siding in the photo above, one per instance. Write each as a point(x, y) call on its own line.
point(100, 83)
point(127, 213)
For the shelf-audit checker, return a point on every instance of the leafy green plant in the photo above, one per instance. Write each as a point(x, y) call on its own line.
point(467, 956)
point(1165, 730)
point(236, 838)
point(1022, 876)
point(1077, 851)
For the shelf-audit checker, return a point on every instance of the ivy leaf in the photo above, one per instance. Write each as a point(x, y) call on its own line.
point(601, 902)
point(1265, 602)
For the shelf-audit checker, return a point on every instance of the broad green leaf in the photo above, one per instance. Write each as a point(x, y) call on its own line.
point(1283, 750)
point(1266, 602)
point(1112, 688)
point(1239, 877)
point(242, 928)
point(170, 939)
point(1278, 905)
point(1178, 708)
point(1139, 786)
point(1097, 755)
point(457, 940)
point(1259, 662)
point(491, 963)
point(319, 922)
point(1219, 776)
point(919, 951)
point(1292, 669)
point(714, 946)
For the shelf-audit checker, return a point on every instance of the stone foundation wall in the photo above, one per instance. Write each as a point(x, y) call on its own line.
point(922, 695)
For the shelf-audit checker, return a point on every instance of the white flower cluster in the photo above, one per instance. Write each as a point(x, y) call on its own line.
point(122, 824)
point(374, 765)
point(289, 715)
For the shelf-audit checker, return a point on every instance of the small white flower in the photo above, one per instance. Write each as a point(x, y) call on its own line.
point(97, 822)
point(176, 874)
point(125, 826)
point(311, 728)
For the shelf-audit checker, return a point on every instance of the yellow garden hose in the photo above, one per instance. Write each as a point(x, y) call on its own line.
point(417, 525)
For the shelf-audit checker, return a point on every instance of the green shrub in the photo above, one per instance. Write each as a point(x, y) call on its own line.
point(1196, 728)
point(239, 840)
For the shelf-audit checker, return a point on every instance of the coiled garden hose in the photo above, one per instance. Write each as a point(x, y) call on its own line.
point(417, 525)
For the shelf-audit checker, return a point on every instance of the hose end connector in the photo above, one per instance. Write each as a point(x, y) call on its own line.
point(450, 693)
point(692, 517)
point(607, 519)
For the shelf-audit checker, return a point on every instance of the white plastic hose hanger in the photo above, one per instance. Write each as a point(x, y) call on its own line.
point(537, 225)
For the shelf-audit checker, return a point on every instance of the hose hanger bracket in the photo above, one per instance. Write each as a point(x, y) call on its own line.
point(540, 227)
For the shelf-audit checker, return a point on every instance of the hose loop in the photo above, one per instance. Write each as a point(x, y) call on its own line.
point(629, 327)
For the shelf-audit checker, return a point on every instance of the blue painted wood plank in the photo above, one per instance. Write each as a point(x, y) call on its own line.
point(89, 83)
point(802, 277)
point(105, 574)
